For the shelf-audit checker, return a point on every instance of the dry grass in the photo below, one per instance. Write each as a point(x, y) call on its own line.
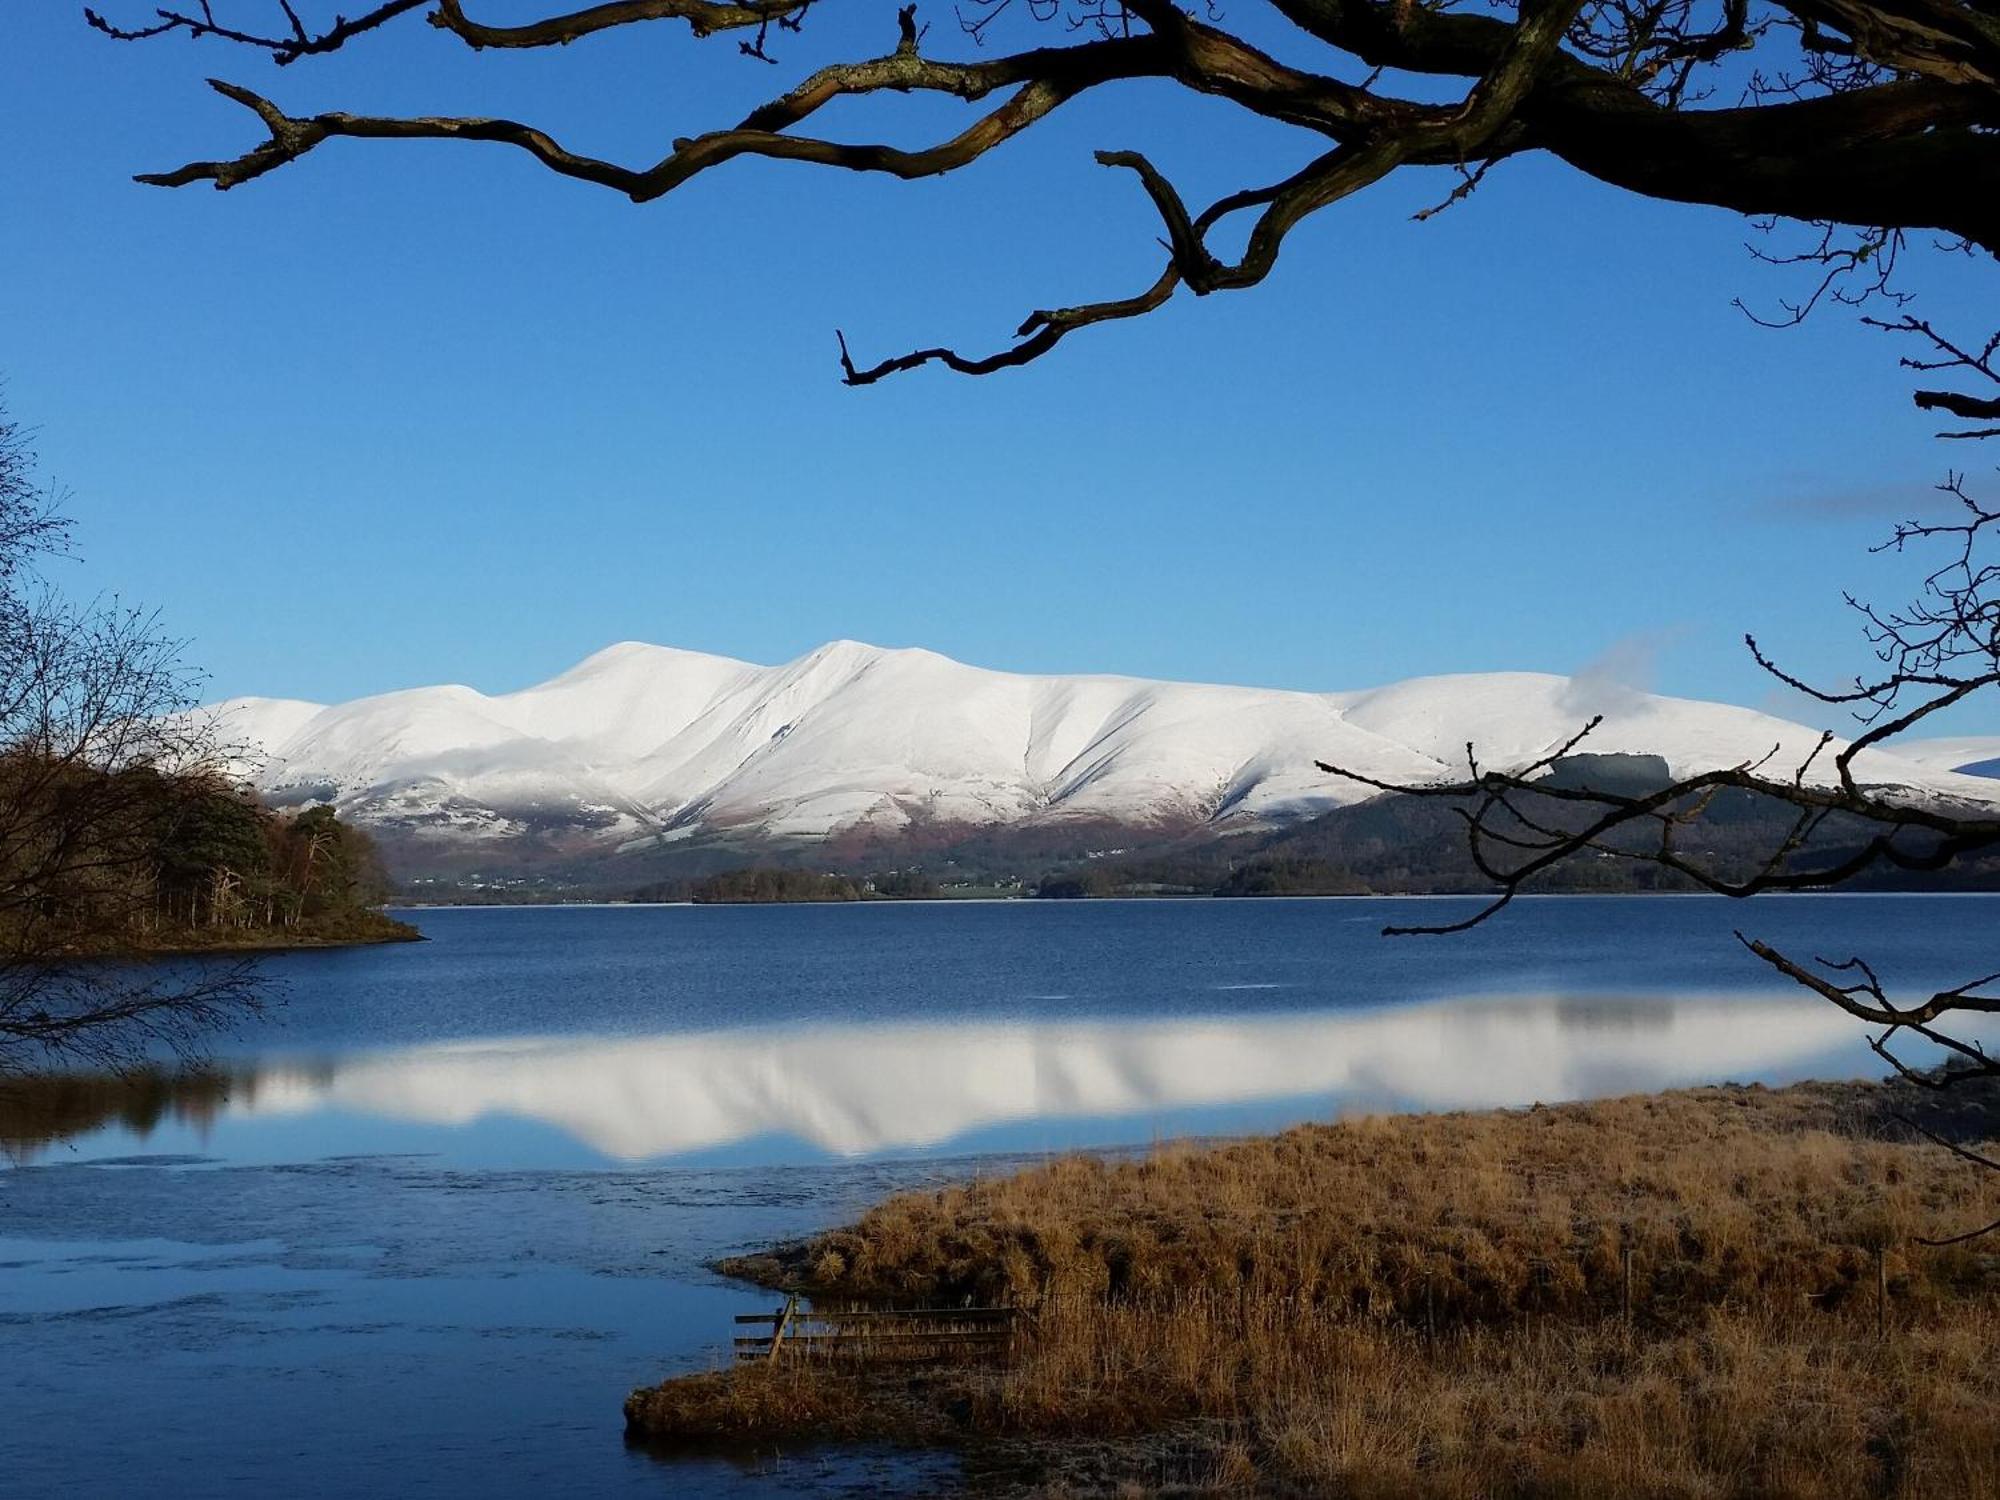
point(1432, 1306)
point(759, 1403)
point(1465, 1218)
point(1740, 1403)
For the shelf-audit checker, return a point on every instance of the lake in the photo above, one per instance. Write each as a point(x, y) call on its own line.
point(421, 1230)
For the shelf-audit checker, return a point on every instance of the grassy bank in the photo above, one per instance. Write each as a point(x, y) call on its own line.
point(348, 929)
point(351, 927)
point(1438, 1306)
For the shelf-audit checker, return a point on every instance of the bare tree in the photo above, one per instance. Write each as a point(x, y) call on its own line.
point(92, 714)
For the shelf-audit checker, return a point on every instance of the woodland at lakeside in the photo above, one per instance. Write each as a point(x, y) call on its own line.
point(1721, 1292)
point(121, 835)
point(1392, 844)
point(775, 884)
point(181, 862)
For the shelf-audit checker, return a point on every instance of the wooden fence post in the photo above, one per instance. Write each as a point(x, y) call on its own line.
point(783, 1325)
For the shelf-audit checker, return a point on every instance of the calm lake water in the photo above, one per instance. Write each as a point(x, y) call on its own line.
point(429, 1222)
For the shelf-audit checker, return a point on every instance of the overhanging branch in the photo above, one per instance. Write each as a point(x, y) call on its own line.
point(1906, 140)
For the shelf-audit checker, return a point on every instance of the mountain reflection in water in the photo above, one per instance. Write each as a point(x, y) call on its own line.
point(861, 1089)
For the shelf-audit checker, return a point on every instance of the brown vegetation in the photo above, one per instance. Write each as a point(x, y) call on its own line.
point(1439, 1305)
point(791, 1400)
point(122, 834)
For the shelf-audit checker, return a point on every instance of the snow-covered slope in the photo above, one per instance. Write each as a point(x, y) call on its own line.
point(1976, 755)
point(645, 744)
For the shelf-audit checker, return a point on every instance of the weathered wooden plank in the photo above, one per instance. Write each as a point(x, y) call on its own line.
point(959, 1336)
point(897, 1315)
point(916, 1314)
point(883, 1314)
point(853, 1337)
point(865, 1330)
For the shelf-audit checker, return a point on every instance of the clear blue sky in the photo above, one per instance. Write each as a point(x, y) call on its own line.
point(404, 414)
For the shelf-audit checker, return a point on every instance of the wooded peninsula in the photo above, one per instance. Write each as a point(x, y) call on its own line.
point(141, 861)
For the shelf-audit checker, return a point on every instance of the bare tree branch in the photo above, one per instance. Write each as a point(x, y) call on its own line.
point(285, 47)
point(1893, 126)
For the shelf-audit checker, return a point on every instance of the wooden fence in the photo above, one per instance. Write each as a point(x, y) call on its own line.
point(943, 1332)
point(900, 1333)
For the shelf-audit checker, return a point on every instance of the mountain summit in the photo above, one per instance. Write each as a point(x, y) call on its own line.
point(643, 747)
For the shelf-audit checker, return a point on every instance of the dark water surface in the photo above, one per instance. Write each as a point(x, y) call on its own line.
point(421, 1232)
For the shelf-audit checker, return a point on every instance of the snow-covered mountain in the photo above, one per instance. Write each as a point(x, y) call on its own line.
point(645, 746)
point(1975, 755)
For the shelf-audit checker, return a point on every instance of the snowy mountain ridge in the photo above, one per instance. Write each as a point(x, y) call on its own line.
point(647, 746)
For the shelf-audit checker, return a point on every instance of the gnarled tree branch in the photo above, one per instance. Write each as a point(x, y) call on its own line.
point(1901, 137)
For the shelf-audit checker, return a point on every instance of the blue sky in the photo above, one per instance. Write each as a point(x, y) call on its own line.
point(404, 414)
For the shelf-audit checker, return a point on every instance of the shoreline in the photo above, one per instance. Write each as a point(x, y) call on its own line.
point(1037, 901)
point(1549, 1266)
point(387, 930)
point(304, 945)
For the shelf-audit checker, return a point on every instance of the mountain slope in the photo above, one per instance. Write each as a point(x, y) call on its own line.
point(646, 747)
point(1972, 755)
